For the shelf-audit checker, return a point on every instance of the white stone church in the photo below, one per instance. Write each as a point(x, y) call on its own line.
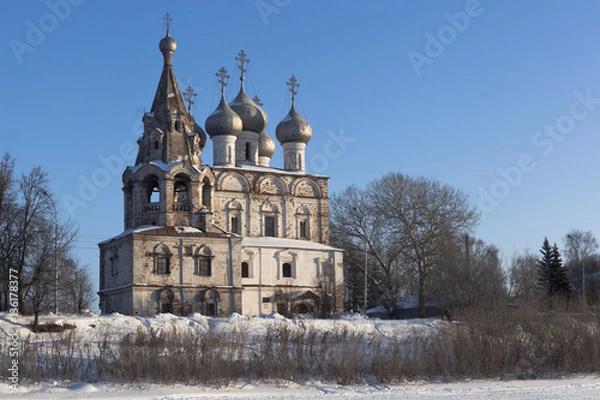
point(238, 236)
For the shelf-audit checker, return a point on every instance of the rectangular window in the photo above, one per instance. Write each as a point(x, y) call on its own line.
point(245, 270)
point(303, 230)
point(266, 299)
point(270, 226)
point(235, 224)
point(163, 265)
point(248, 151)
point(204, 266)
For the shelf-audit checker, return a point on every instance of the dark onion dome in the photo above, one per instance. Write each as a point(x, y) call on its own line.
point(253, 117)
point(223, 121)
point(266, 145)
point(293, 128)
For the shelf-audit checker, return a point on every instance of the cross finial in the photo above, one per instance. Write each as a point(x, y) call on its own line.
point(242, 59)
point(257, 101)
point(292, 86)
point(222, 77)
point(189, 96)
point(168, 20)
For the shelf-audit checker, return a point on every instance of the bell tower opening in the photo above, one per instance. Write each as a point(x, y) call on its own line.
point(206, 187)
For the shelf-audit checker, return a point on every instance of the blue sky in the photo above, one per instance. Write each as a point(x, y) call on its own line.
point(503, 101)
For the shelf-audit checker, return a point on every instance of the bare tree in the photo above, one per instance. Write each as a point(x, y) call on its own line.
point(358, 228)
point(33, 207)
point(581, 260)
point(405, 224)
point(77, 294)
point(8, 214)
point(523, 277)
point(27, 249)
point(470, 275)
point(424, 215)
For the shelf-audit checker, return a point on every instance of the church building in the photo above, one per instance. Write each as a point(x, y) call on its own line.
point(239, 236)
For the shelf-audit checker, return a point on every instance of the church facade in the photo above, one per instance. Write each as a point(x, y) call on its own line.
point(238, 236)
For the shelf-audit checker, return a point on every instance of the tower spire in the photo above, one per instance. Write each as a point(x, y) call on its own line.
point(293, 84)
point(242, 59)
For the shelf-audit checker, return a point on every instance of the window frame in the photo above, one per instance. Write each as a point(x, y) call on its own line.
point(234, 222)
point(270, 230)
point(205, 266)
point(163, 265)
point(245, 266)
point(287, 270)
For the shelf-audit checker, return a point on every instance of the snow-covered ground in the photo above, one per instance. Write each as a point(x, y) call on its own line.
point(569, 388)
point(94, 328)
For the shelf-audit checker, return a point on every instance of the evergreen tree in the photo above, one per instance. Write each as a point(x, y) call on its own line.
point(560, 280)
point(545, 268)
point(553, 280)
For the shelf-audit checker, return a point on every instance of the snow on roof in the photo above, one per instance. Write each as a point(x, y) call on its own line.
point(258, 168)
point(163, 166)
point(130, 231)
point(159, 230)
point(187, 229)
point(285, 243)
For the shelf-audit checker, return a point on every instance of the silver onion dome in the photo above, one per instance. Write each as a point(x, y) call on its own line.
point(223, 121)
point(253, 117)
point(293, 128)
point(266, 145)
point(167, 45)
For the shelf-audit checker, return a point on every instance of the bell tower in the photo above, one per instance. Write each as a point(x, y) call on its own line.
point(167, 186)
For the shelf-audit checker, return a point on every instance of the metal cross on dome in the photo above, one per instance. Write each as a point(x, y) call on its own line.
point(189, 96)
point(168, 20)
point(222, 76)
point(256, 99)
point(292, 86)
point(242, 59)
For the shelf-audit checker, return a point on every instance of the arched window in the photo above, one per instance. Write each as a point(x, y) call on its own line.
point(181, 192)
point(165, 301)
point(211, 303)
point(154, 193)
point(245, 270)
point(286, 270)
point(206, 193)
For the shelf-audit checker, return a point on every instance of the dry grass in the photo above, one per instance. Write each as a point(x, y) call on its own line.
point(500, 344)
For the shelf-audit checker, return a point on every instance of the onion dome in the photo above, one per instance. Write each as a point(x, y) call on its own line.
point(201, 134)
point(223, 121)
point(167, 44)
point(266, 145)
point(253, 117)
point(293, 128)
